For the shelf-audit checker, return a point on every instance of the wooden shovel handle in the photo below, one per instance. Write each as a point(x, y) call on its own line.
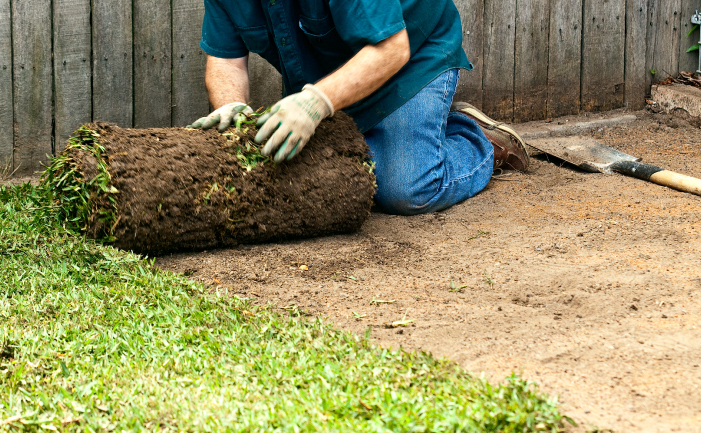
point(659, 176)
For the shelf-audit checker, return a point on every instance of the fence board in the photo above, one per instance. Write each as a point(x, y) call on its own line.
point(663, 39)
point(266, 82)
point(152, 63)
point(32, 77)
point(470, 84)
point(189, 92)
point(72, 74)
point(636, 32)
point(112, 61)
point(499, 40)
point(603, 48)
point(6, 111)
point(564, 57)
point(688, 62)
point(531, 60)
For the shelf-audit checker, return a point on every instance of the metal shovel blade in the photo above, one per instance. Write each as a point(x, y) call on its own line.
point(585, 153)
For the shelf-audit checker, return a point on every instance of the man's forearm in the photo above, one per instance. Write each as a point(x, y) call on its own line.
point(367, 71)
point(227, 80)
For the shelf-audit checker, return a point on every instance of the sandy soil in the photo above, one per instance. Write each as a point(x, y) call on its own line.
point(585, 283)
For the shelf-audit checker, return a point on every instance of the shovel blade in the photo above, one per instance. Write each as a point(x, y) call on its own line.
point(586, 153)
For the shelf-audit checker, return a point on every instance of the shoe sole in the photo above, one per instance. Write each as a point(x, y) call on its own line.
point(492, 124)
point(489, 122)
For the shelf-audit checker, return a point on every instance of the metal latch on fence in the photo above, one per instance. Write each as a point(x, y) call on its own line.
point(696, 19)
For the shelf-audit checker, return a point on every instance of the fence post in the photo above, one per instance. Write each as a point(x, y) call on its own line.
point(7, 137)
point(72, 68)
point(32, 83)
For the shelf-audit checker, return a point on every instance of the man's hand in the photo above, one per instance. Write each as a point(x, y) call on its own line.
point(292, 122)
point(224, 116)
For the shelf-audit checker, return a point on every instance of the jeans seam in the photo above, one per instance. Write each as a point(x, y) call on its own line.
point(444, 124)
point(471, 173)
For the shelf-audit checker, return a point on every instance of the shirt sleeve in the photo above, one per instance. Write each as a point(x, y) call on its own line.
point(219, 35)
point(366, 22)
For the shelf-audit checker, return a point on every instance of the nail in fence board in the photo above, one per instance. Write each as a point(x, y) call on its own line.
point(564, 57)
point(72, 70)
point(152, 63)
point(636, 32)
point(498, 76)
point(470, 85)
point(688, 62)
point(32, 65)
point(190, 100)
point(266, 82)
point(112, 61)
point(6, 110)
point(663, 39)
point(603, 47)
point(531, 60)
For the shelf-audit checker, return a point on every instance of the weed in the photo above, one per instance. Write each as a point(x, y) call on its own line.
point(694, 47)
point(458, 289)
point(488, 280)
point(403, 322)
point(479, 234)
point(380, 301)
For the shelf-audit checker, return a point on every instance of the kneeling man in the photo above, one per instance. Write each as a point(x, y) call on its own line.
point(393, 65)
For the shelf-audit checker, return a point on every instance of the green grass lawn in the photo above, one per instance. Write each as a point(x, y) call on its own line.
point(95, 339)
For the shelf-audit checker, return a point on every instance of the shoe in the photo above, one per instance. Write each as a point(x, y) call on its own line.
point(509, 149)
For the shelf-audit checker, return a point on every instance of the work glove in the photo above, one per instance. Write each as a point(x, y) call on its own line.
point(292, 122)
point(224, 116)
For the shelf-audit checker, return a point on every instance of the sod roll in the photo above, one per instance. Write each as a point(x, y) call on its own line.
point(161, 190)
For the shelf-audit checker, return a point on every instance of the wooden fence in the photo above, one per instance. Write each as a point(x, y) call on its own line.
point(137, 63)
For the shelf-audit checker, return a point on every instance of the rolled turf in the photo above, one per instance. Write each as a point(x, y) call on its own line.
point(161, 190)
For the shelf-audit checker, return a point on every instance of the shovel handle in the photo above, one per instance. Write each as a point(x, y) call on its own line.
point(658, 175)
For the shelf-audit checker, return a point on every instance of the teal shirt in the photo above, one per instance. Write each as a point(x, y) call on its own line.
point(308, 39)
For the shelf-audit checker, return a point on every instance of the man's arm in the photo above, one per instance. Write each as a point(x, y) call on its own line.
point(227, 80)
point(367, 71)
point(293, 120)
point(227, 85)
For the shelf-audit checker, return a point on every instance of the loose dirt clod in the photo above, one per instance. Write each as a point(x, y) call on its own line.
point(172, 189)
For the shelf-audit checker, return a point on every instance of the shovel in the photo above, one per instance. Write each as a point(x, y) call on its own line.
point(594, 157)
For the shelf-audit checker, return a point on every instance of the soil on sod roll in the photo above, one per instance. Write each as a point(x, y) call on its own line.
point(175, 189)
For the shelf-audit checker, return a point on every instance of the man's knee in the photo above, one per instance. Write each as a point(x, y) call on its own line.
point(402, 201)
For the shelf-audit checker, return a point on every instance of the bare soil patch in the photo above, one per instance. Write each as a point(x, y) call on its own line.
point(585, 283)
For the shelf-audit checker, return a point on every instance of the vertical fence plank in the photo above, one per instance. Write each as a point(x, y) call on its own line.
point(663, 39)
point(266, 82)
point(6, 111)
point(32, 65)
point(603, 46)
point(152, 63)
point(470, 85)
point(112, 61)
point(688, 62)
point(564, 57)
point(636, 30)
point(72, 70)
point(531, 60)
point(499, 40)
point(190, 100)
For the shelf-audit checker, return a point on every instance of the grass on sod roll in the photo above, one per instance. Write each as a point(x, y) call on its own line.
point(96, 339)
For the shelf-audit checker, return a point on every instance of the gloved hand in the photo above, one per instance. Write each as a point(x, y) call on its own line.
point(224, 116)
point(292, 122)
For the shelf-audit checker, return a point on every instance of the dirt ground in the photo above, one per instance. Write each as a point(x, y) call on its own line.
point(587, 284)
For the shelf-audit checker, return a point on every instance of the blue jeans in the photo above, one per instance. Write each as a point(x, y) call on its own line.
point(426, 157)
